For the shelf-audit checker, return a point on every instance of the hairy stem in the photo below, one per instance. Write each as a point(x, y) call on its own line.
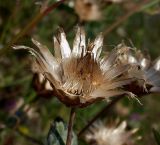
point(70, 126)
point(103, 112)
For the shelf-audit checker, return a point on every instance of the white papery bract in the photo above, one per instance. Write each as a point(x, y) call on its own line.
point(79, 76)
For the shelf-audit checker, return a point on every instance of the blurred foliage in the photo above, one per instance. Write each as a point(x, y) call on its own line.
point(156, 136)
point(22, 108)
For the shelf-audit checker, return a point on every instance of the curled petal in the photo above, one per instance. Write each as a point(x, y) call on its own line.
point(45, 53)
point(57, 49)
point(45, 62)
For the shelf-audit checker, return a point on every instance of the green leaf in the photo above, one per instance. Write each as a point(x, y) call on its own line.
point(156, 136)
point(58, 134)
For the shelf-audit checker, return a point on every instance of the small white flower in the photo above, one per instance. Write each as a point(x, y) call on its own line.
point(79, 76)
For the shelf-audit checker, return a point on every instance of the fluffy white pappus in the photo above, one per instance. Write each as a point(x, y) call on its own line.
point(114, 134)
point(147, 70)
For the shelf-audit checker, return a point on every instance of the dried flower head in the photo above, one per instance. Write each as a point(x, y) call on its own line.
point(88, 10)
point(147, 72)
point(100, 134)
point(80, 76)
point(151, 72)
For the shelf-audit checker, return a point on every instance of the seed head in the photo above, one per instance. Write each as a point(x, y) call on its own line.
point(80, 76)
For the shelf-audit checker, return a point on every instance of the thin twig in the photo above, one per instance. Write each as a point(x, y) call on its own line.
point(120, 20)
point(103, 112)
point(31, 25)
point(70, 126)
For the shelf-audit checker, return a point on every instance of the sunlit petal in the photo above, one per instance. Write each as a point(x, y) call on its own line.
point(65, 48)
point(79, 44)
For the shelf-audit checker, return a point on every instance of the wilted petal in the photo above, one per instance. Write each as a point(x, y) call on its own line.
point(35, 53)
point(65, 49)
point(32, 51)
point(79, 44)
point(98, 43)
point(49, 59)
point(57, 49)
point(45, 62)
point(115, 71)
point(45, 53)
point(108, 60)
